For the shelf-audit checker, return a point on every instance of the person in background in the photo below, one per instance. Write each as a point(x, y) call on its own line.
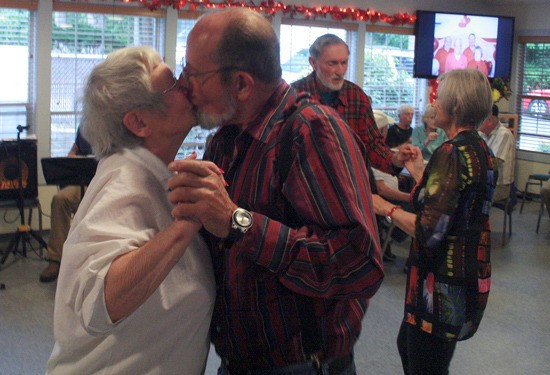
point(136, 288)
point(441, 54)
point(400, 133)
point(456, 60)
point(294, 245)
point(64, 204)
point(477, 61)
point(428, 137)
point(329, 57)
point(449, 273)
point(395, 189)
point(470, 51)
point(503, 144)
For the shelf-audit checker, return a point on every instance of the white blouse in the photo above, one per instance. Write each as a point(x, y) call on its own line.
point(125, 205)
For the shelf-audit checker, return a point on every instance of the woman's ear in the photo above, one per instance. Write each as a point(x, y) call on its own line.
point(135, 123)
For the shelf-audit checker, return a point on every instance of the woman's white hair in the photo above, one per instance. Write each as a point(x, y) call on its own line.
point(428, 111)
point(117, 85)
point(466, 95)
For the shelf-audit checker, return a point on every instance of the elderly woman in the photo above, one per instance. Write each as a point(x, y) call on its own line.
point(135, 291)
point(449, 274)
point(428, 137)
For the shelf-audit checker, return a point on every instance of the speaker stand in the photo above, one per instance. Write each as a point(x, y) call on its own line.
point(24, 232)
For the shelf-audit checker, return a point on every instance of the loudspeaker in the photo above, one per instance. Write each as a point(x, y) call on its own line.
point(9, 170)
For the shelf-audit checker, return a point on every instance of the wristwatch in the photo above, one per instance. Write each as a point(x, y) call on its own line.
point(241, 221)
point(390, 212)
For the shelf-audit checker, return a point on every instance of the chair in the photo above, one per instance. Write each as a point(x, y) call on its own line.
point(533, 179)
point(507, 206)
point(541, 212)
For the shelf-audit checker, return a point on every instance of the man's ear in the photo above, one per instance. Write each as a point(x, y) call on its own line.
point(135, 123)
point(312, 63)
point(245, 85)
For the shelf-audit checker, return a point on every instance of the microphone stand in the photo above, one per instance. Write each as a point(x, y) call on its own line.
point(24, 232)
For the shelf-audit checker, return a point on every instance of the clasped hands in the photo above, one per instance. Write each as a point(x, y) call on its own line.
point(198, 192)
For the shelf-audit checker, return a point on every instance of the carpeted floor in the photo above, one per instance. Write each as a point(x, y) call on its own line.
point(514, 337)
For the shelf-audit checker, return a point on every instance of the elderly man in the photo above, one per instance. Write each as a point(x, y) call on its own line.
point(329, 56)
point(503, 144)
point(294, 246)
point(401, 132)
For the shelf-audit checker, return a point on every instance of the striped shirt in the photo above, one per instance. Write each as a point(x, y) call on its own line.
point(332, 258)
point(355, 108)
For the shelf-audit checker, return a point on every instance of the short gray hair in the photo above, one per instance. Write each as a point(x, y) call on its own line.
point(323, 41)
point(465, 94)
point(117, 85)
point(428, 111)
point(404, 108)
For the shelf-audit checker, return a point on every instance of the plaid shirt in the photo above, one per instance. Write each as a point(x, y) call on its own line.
point(355, 108)
point(333, 259)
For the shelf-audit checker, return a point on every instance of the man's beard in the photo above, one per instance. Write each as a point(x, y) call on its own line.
point(331, 86)
point(213, 120)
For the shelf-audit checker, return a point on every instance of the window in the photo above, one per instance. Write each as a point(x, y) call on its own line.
point(388, 73)
point(295, 41)
point(15, 47)
point(534, 97)
point(80, 41)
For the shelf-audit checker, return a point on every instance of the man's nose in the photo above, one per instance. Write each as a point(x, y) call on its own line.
point(341, 69)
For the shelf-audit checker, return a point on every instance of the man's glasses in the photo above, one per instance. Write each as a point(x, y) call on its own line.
point(173, 86)
point(186, 75)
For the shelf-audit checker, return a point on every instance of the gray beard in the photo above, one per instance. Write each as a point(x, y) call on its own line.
point(210, 121)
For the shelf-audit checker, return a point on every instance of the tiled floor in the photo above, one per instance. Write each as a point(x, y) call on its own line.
point(514, 337)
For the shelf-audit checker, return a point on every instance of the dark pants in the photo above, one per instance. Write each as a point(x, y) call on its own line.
point(344, 365)
point(422, 353)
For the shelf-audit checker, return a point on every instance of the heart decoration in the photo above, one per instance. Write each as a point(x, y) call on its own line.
point(464, 21)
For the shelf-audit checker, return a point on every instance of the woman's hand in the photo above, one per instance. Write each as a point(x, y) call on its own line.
point(415, 168)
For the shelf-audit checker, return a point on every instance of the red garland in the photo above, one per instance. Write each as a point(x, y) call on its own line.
point(433, 83)
point(271, 7)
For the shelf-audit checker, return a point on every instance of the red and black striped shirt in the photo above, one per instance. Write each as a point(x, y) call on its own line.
point(332, 258)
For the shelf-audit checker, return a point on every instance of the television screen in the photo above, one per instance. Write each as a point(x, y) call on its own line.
point(446, 41)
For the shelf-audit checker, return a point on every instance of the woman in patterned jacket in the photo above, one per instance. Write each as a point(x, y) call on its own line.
point(449, 271)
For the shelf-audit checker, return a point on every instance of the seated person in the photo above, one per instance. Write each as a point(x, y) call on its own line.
point(401, 132)
point(503, 144)
point(64, 205)
point(428, 137)
point(393, 188)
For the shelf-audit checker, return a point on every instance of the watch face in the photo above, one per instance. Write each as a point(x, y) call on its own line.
point(243, 218)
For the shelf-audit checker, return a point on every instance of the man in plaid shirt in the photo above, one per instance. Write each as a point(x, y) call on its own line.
point(329, 56)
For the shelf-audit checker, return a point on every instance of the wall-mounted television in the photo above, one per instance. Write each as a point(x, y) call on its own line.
point(446, 41)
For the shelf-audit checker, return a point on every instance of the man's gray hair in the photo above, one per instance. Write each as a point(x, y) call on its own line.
point(405, 108)
point(323, 41)
point(117, 85)
point(465, 94)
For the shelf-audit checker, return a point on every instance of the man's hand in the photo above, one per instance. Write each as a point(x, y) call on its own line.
point(404, 153)
point(198, 191)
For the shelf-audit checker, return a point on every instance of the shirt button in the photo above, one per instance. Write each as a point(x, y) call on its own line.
point(218, 329)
